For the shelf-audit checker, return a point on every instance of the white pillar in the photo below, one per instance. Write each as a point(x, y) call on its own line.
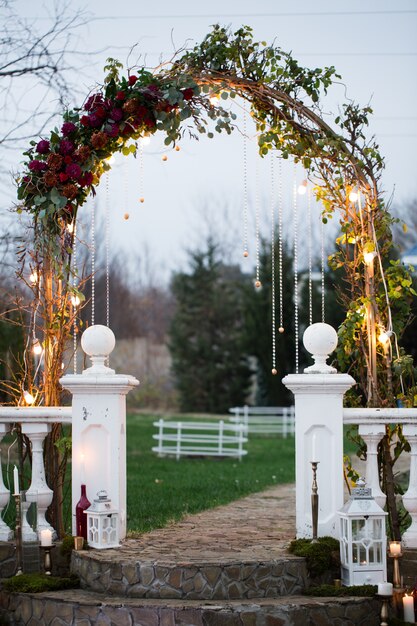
point(372, 435)
point(409, 538)
point(6, 534)
point(319, 432)
point(99, 425)
point(38, 491)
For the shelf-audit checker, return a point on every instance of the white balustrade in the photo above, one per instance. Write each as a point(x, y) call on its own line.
point(5, 532)
point(410, 497)
point(372, 435)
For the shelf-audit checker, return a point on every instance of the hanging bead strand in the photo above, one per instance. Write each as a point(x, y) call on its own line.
point(295, 218)
point(245, 185)
point(258, 283)
point(107, 245)
point(280, 248)
point(310, 259)
point(323, 296)
point(93, 260)
point(74, 298)
point(141, 174)
point(273, 303)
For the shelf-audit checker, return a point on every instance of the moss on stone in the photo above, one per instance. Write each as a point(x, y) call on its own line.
point(36, 583)
point(320, 556)
point(329, 591)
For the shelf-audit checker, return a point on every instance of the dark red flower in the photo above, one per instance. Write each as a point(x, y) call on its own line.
point(98, 140)
point(67, 160)
point(116, 114)
point(86, 179)
point(73, 171)
point(26, 179)
point(112, 130)
point(37, 166)
point(121, 95)
point(93, 101)
point(55, 161)
point(100, 112)
point(188, 93)
point(50, 179)
point(63, 177)
point(66, 147)
point(85, 120)
point(82, 153)
point(43, 146)
point(69, 208)
point(95, 120)
point(70, 191)
point(132, 80)
point(68, 128)
point(150, 122)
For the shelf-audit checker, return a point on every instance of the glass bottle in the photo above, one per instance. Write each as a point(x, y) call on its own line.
point(80, 517)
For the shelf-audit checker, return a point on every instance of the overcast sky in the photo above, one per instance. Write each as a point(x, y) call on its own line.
point(373, 45)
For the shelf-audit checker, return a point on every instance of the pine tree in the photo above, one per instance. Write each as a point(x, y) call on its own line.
point(206, 335)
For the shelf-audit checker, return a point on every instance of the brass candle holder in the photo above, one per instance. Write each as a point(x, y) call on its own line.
point(18, 535)
point(395, 553)
point(384, 610)
point(47, 562)
point(314, 500)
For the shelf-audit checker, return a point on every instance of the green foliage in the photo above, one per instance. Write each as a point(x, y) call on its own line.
point(330, 591)
point(37, 583)
point(320, 556)
point(206, 335)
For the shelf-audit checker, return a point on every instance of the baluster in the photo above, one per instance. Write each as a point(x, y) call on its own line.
point(39, 491)
point(5, 532)
point(220, 448)
point(179, 435)
point(410, 497)
point(372, 435)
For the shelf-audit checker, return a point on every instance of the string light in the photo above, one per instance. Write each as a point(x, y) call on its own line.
point(245, 187)
point(70, 227)
point(310, 261)
point(369, 257)
point(34, 277)
point(353, 196)
point(258, 283)
point(302, 189)
point(75, 301)
point(280, 249)
point(164, 157)
point(141, 173)
point(144, 141)
point(295, 212)
point(126, 216)
point(110, 160)
point(177, 148)
point(323, 291)
point(93, 261)
point(28, 398)
point(273, 303)
point(36, 347)
point(75, 298)
point(107, 247)
point(385, 337)
point(214, 99)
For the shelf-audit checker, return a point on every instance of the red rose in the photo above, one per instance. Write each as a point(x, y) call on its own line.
point(67, 160)
point(116, 114)
point(132, 80)
point(112, 130)
point(188, 93)
point(86, 179)
point(63, 177)
point(120, 95)
point(43, 146)
point(85, 120)
point(73, 170)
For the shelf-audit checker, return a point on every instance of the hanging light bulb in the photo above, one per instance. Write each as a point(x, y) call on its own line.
point(164, 157)
point(368, 257)
point(28, 398)
point(36, 347)
point(353, 196)
point(214, 99)
point(126, 216)
point(34, 277)
point(110, 160)
point(302, 189)
point(70, 227)
point(145, 140)
point(75, 301)
point(384, 337)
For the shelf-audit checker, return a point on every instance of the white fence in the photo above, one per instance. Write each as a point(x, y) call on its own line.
point(271, 420)
point(200, 439)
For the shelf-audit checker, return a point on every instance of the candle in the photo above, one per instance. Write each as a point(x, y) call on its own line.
point(385, 589)
point(314, 451)
point(46, 537)
point(408, 605)
point(395, 548)
point(16, 481)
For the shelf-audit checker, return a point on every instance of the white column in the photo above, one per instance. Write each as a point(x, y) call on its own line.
point(38, 491)
point(6, 534)
point(319, 432)
point(99, 425)
point(372, 435)
point(410, 497)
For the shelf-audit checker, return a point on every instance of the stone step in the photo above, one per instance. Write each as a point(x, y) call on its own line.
point(121, 573)
point(85, 608)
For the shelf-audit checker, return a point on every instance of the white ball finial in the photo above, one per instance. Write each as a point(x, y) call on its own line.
point(320, 340)
point(98, 342)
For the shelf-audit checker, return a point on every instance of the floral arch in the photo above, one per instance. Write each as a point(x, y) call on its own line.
point(65, 168)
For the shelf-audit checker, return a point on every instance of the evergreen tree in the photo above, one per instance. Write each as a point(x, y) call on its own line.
point(206, 336)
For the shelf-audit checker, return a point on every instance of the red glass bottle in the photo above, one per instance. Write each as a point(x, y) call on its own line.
point(80, 516)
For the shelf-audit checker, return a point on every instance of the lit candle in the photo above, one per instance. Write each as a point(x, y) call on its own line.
point(408, 605)
point(385, 589)
point(314, 451)
point(395, 548)
point(16, 481)
point(46, 537)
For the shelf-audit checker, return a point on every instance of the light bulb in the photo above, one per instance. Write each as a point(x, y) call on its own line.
point(385, 336)
point(214, 99)
point(164, 157)
point(126, 216)
point(145, 140)
point(75, 301)
point(368, 257)
point(110, 160)
point(353, 196)
point(36, 347)
point(302, 189)
point(28, 398)
point(70, 227)
point(33, 278)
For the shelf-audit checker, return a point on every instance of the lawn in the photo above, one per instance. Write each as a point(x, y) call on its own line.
point(162, 490)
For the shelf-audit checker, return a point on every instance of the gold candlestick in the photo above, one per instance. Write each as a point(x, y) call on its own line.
point(47, 563)
point(18, 535)
point(314, 500)
point(384, 611)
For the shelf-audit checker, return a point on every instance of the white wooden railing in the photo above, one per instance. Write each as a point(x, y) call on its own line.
point(265, 420)
point(36, 423)
point(371, 424)
point(200, 439)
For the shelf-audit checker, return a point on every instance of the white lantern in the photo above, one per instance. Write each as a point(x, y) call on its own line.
point(102, 523)
point(363, 541)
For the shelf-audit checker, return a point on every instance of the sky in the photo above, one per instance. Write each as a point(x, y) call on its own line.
point(199, 189)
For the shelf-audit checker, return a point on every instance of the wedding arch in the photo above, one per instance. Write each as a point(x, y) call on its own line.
point(285, 100)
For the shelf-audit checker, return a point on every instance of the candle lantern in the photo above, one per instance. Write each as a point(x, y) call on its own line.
point(102, 523)
point(363, 541)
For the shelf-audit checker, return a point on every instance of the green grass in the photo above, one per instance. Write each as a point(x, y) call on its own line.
point(162, 490)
